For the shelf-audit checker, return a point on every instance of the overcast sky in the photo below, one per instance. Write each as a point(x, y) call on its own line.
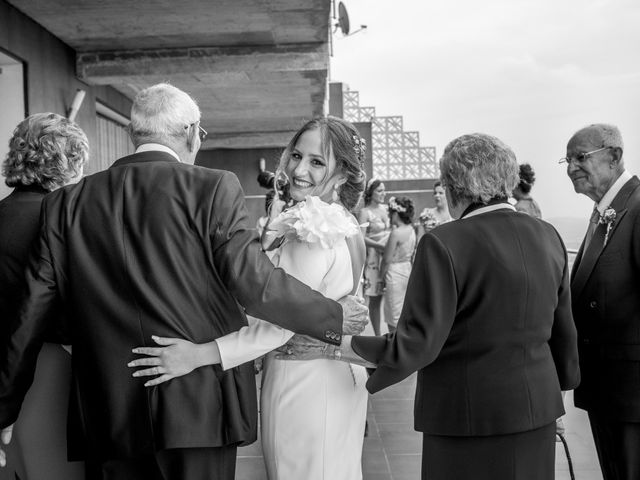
point(528, 72)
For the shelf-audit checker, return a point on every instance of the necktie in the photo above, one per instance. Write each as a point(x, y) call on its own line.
point(593, 223)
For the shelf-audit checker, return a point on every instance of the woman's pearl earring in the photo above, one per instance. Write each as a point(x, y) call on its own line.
point(335, 195)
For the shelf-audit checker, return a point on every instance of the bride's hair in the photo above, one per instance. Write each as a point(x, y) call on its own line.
point(341, 138)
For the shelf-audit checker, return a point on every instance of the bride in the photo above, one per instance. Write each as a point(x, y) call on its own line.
point(313, 407)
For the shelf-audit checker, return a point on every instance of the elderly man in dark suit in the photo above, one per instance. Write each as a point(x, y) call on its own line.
point(157, 245)
point(487, 322)
point(605, 289)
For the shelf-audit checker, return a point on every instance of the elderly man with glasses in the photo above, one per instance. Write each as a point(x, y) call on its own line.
point(605, 288)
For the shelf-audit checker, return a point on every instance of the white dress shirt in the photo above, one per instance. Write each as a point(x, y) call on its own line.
point(156, 147)
point(612, 192)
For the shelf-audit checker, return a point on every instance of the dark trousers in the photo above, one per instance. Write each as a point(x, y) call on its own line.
point(518, 456)
point(618, 447)
point(171, 464)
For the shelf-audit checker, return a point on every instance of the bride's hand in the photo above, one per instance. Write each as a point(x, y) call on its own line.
point(175, 358)
point(277, 206)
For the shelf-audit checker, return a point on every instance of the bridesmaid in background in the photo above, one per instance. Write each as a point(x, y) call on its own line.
point(46, 152)
point(374, 214)
point(432, 217)
point(522, 193)
point(397, 258)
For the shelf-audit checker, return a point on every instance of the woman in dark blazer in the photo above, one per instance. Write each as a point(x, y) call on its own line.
point(487, 323)
point(46, 152)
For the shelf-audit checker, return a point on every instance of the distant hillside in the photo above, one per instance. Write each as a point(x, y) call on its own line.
point(571, 229)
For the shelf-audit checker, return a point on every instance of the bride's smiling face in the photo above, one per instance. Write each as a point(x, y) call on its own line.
point(309, 170)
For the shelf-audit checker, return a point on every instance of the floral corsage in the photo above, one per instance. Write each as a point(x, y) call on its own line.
point(314, 221)
point(607, 218)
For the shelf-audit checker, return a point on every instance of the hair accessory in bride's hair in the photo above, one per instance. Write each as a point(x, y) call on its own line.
point(394, 206)
point(360, 147)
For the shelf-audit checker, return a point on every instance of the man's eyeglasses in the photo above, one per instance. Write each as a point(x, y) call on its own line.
point(581, 157)
point(202, 133)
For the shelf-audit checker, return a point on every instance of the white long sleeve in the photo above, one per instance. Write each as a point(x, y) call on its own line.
point(251, 342)
point(321, 269)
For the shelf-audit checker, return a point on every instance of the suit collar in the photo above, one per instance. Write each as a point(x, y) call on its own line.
point(480, 208)
point(31, 189)
point(143, 157)
point(587, 258)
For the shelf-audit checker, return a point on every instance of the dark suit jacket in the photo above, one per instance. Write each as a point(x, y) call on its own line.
point(605, 290)
point(487, 322)
point(154, 246)
point(19, 224)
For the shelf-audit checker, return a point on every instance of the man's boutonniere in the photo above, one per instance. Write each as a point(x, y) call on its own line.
point(607, 218)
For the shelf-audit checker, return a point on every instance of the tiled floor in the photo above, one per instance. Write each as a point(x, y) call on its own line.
point(392, 449)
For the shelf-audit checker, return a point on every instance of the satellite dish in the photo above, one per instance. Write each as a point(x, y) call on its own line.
point(343, 19)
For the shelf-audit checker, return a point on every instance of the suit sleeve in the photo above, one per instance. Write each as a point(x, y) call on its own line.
point(19, 354)
point(427, 316)
point(564, 338)
point(264, 291)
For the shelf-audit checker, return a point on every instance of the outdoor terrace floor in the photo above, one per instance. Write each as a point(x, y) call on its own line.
point(392, 449)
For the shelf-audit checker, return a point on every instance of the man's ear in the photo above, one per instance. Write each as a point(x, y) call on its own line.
point(616, 153)
point(129, 131)
point(192, 138)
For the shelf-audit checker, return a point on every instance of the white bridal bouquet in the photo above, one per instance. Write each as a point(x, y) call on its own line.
point(313, 221)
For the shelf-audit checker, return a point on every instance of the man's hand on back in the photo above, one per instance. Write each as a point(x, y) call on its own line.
point(355, 314)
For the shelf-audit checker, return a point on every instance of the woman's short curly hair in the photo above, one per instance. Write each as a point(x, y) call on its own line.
point(527, 178)
point(47, 150)
point(478, 167)
point(343, 139)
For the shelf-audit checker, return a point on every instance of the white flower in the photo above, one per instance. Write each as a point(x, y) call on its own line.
point(608, 216)
point(314, 221)
point(427, 215)
point(393, 205)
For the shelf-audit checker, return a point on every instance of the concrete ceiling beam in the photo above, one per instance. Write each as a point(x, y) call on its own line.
point(275, 139)
point(113, 67)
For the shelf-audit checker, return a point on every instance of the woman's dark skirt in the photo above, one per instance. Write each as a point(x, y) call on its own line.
point(519, 456)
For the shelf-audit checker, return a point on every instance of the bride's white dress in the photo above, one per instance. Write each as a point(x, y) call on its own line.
point(312, 411)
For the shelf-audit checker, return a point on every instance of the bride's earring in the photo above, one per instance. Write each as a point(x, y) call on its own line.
point(335, 195)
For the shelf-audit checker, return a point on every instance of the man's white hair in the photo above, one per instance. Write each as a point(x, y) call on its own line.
point(161, 111)
point(609, 134)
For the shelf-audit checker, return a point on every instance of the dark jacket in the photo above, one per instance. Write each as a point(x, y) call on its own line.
point(19, 224)
point(153, 246)
point(605, 290)
point(487, 322)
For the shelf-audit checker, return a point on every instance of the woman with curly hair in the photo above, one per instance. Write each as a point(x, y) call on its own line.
point(522, 193)
point(46, 152)
point(396, 260)
point(487, 324)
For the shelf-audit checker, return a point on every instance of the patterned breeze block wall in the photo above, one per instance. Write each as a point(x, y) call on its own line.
point(397, 155)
